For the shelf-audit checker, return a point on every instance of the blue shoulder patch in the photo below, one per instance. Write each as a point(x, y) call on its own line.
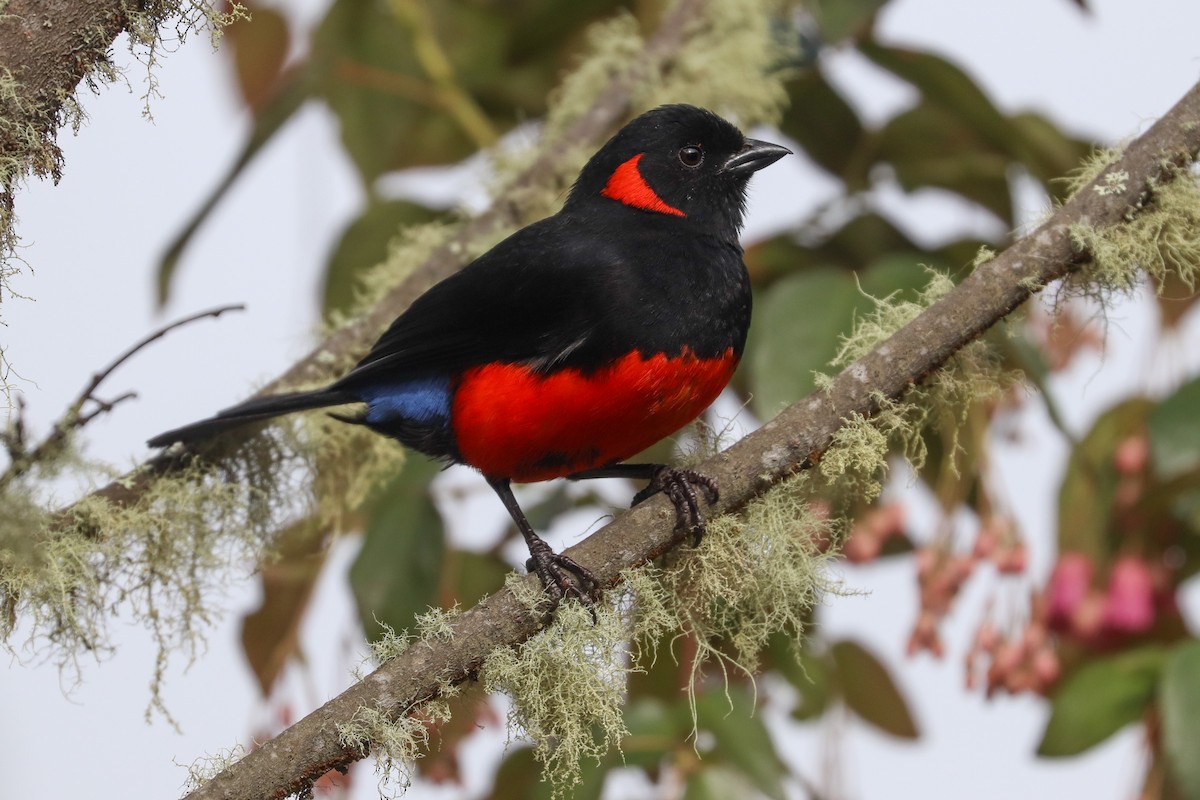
point(415, 400)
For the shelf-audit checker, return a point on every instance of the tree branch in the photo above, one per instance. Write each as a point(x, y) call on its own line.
point(46, 49)
point(293, 760)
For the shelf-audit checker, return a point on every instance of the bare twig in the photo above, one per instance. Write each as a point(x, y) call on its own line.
point(293, 760)
point(23, 459)
point(99, 377)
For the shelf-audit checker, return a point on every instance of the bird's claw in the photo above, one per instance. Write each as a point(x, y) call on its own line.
point(563, 577)
point(679, 485)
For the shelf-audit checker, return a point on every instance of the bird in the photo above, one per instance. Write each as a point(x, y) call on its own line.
point(578, 341)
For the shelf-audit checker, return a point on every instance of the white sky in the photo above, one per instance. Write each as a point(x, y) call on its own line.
point(94, 240)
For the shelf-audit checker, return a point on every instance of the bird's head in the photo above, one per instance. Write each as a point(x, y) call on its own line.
point(677, 161)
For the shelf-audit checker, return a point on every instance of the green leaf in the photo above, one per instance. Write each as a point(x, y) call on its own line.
point(944, 84)
point(364, 244)
point(260, 46)
point(1174, 432)
point(654, 731)
point(870, 692)
point(863, 240)
point(473, 575)
point(1085, 501)
point(842, 19)
point(1179, 704)
point(1026, 138)
point(929, 145)
point(795, 333)
point(270, 633)
point(826, 126)
point(741, 738)
point(294, 89)
point(1100, 699)
point(397, 571)
point(520, 778)
point(717, 783)
point(800, 319)
point(1049, 153)
point(806, 671)
point(1179, 707)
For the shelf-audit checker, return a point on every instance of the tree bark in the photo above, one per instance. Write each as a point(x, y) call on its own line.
point(292, 761)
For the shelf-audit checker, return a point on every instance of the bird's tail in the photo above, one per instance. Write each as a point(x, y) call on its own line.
point(254, 410)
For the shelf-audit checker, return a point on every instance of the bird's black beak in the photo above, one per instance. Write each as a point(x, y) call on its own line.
point(753, 156)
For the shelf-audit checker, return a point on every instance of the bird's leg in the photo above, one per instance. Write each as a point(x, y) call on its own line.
point(561, 575)
point(679, 485)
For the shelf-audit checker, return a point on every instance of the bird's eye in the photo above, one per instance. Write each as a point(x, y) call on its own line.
point(691, 156)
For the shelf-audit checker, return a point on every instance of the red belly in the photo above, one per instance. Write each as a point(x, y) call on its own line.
point(510, 422)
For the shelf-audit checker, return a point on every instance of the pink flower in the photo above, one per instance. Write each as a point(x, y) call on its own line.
point(1129, 604)
point(1131, 455)
point(1066, 589)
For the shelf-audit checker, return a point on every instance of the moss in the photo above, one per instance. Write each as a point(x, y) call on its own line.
point(164, 561)
point(396, 743)
point(1162, 237)
point(749, 86)
point(207, 767)
point(437, 623)
point(567, 685)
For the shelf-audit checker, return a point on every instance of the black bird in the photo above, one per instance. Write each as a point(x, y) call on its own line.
point(578, 341)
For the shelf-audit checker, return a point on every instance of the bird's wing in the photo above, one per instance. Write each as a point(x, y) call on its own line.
point(536, 297)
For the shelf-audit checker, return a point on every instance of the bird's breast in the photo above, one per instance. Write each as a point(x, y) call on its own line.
point(511, 421)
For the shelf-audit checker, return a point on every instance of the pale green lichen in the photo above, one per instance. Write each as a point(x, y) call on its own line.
point(567, 684)
point(207, 767)
point(395, 741)
point(755, 574)
point(164, 560)
point(982, 256)
point(857, 454)
point(345, 464)
point(437, 624)
point(749, 85)
point(1160, 237)
point(971, 376)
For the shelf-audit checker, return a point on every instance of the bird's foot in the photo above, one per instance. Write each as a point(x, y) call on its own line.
point(563, 576)
point(679, 485)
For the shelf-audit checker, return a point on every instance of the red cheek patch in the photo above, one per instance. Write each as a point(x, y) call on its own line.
point(629, 187)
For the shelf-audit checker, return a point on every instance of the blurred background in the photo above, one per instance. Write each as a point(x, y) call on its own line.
point(1020, 613)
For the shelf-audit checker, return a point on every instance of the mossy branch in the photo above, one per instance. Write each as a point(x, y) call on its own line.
point(793, 441)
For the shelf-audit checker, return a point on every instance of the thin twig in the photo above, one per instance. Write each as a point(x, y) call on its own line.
point(23, 459)
point(99, 377)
